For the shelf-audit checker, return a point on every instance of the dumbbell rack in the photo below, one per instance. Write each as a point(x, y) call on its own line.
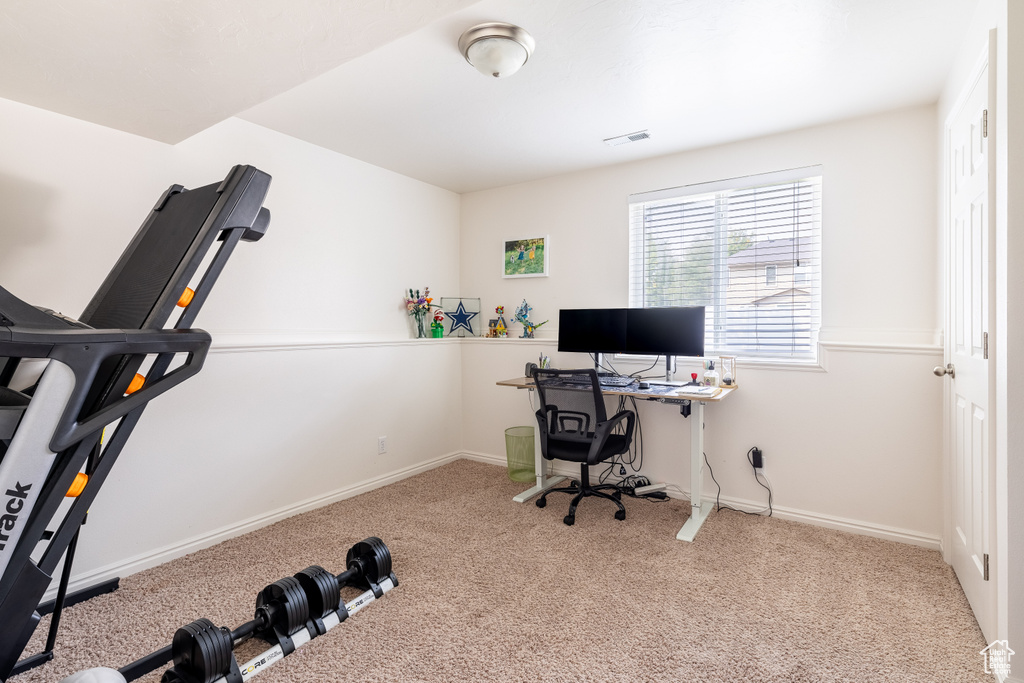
point(289, 613)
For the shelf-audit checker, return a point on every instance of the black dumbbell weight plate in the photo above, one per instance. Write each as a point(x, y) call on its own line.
point(374, 558)
point(322, 590)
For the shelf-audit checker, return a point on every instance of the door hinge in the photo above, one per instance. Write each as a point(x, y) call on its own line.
point(985, 343)
point(985, 560)
point(984, 123)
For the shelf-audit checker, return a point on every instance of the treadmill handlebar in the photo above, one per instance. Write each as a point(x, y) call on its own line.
point(84, 350)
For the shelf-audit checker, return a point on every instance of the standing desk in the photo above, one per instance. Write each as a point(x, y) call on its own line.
point(687, 402)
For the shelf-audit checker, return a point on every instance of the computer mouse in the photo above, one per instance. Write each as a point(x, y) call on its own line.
point(644, 385)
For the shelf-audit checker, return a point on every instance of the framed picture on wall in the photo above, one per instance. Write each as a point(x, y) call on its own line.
point(527, 257)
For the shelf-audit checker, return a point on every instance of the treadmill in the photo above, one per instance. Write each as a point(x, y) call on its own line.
point(133, 342)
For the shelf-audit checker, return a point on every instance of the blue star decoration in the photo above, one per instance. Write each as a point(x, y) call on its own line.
point(460, 318)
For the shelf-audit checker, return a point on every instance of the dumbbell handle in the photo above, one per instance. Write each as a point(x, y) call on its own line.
point(147, 664)
point(246, 630)
point(355, 571)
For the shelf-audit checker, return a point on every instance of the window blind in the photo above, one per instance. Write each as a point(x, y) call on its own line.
point(749, 250)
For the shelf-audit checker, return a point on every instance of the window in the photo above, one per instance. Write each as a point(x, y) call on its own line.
point(747, 249)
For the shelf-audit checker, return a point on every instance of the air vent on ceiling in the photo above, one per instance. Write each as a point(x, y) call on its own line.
point(629, 137)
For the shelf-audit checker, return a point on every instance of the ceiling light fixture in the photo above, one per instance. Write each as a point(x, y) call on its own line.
point(496, 48)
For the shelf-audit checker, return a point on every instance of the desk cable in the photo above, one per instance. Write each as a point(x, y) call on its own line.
point(757, 475)
point(635, 452)
point(637, 375)
point(635, 459)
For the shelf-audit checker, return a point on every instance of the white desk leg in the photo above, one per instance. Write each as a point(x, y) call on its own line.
point(544, 481)
point(699, 508)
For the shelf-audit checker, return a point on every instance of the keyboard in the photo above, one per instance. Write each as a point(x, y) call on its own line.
point(608, 381)
point(617, 381)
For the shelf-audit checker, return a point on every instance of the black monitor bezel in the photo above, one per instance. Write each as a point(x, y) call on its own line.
point(579, 331)
point(644, 338)
point(572, 320)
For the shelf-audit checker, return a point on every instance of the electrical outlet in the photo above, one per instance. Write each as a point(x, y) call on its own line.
point(382, 445)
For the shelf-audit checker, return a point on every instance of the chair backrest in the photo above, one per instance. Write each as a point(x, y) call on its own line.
point(572, 402)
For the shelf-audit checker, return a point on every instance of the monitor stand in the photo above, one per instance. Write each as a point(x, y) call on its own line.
point(670, 370)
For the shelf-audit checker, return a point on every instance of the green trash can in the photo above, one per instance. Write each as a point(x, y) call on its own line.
point(519, 451)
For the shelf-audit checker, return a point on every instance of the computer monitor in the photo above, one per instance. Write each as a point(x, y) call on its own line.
point(668, 331)
point(592, 330)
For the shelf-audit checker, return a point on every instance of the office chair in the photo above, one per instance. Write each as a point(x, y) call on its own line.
point(574, 427)
point(51, 446)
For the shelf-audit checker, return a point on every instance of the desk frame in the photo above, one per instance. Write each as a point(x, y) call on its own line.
point(700, 507)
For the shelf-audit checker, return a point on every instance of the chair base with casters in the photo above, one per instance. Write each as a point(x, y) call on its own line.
point(582, 489)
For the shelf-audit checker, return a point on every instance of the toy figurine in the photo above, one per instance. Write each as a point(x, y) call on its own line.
point(500, 327)
point(523, 317)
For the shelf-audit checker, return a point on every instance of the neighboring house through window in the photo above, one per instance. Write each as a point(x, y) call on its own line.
point(747, 249)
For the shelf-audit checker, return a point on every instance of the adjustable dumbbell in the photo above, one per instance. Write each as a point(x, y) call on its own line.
point(203, 653)
point(312, 598)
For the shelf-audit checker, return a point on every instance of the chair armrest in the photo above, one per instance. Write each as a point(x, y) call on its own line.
point(617, 418)
point(604, 430)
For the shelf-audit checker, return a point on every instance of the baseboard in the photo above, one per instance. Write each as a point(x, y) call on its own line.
point(485, 458)
point(167, 553)
point(854, 526)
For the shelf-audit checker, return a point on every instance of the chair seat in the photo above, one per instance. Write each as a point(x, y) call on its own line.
point(577, 451)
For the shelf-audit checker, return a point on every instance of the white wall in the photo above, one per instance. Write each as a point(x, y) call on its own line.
point(1006, 17)
point(310, 335)
point(855, 443)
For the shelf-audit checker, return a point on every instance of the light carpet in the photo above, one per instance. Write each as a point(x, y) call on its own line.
point(493, 590)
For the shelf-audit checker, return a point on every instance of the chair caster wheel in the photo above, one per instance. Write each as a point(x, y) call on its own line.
point(541, 502)
point(620, 514)
point(569, 520)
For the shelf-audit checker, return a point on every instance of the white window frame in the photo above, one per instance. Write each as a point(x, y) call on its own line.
point(805, 322)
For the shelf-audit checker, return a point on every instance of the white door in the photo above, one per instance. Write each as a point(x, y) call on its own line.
point(969, 253)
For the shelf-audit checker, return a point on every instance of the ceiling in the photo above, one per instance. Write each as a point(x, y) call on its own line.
point(383, 81)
